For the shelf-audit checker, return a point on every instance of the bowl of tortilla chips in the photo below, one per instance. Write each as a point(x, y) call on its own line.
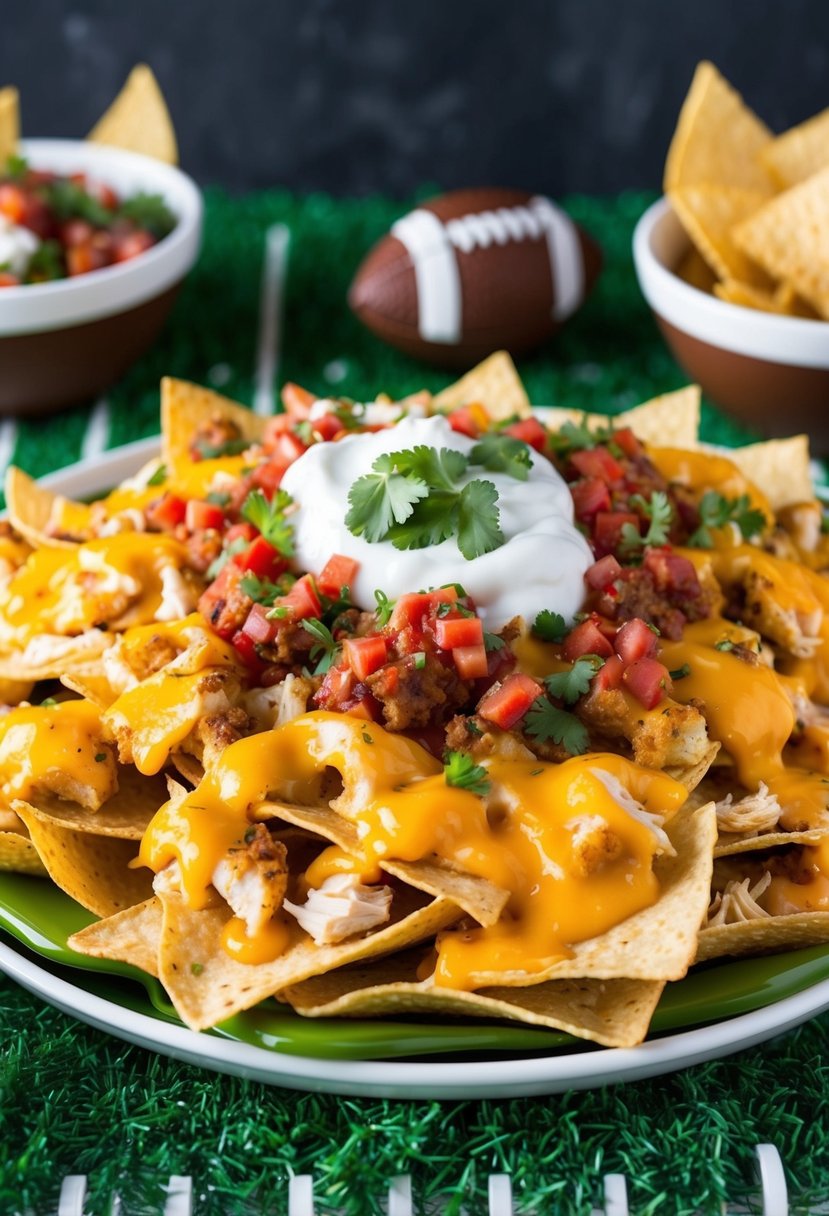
point(734, 260)
point(110, 227)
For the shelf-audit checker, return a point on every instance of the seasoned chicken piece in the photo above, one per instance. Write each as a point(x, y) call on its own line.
point(341, 908)
point(594, 843)
point(253, 878)
point(218, 731)
point(281, 703)
point(670, 736)
point(481, 739)
point(793, 628)
point(802, 521)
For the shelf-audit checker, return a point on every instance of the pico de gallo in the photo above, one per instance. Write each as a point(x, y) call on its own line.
point(54, 226)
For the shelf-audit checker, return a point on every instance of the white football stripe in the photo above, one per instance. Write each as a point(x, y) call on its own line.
point(96, 438)
point(277, 240)
point(8, 442)
point(566, 264)
point(437, 277)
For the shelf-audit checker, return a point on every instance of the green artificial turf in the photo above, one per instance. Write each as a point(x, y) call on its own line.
point(73, 1100)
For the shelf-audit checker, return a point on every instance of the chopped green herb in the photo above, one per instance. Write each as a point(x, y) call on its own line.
point(160, 476)
point(214, 451)
point(148, 211)
point(366, 737)
point(260, 590)
point(545, 721)
point(724, 644)
point(47, 263)
point(419, 659)
point(218, 499)
point(569, 685)
point(716, 511)
point(536, 772)
point(461, 771)
point(576, 436)
point(492, 641)
point(48, 703)
point(100, 757)
point(503, 454)
point(16, 166)
point(325, 648)
point(660, 513)
point(236, 546)
point(550, 626)
point(680, 672)
point(384, 609)
point(269, 518)
point(196, 968)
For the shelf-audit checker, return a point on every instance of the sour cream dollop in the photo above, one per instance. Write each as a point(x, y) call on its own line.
point(540, 565)
point(17, 247)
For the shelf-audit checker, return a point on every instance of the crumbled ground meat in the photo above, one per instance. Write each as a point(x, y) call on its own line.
point(203, 548)
point(415, 697)
point(638, 595)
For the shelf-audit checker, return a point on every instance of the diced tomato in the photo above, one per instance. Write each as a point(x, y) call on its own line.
point(590, 495)
point(105, 195)
point(245, 647)
point(336, 687)
point(603, 573)
point(167, 513)
point(131, 245)
point(199, 516)
point(507, 703)
point(607, 529)
point(627, 441)
point(8, 280)
point(275, 426)
point(267, 477)
point(529, 431)
point(365, 655)
point(81, 259)
point(76, 232)
point(288, 448)
point(387, 682)
point(456, 630)
point(648, 680)
point(411, 609)
point(12, 202)
point(223, 604)
point(586, 638)
point(259, 627)
point(263, 560)
point(338, 572)
point(303, 599)
point(470, 420)
point(471, 662)
point(297, 401)
point(609, 674)
point(634, 640)
point(598, 462)
point(672, 572)
point(328, 427)
point(242, 531)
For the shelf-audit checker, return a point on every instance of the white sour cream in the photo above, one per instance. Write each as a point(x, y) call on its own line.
point(17, 247)
point(540, 565)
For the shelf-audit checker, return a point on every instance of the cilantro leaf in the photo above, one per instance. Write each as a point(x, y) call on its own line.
point(236, 546)
point(569, 685)
point(479, 528)
point(213, 451)
point(492, 641)
point(148, 211)
point(381, 499)
point(545, 721)
point(660, 513)
point(550, 626)
point(434, 519)
point(325, 648)
point(438, 468)
point(503, 454)
point(260, 590)
point(269, 518)
point(461, 771)
point(577, 436)
point(716, 511)
point(159, 476)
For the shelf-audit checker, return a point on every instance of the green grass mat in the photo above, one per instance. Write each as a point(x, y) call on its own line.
point(74, 1100)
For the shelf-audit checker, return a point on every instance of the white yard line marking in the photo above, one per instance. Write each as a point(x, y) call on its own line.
point(97, 431)
point(8, 442)
point(277, 240)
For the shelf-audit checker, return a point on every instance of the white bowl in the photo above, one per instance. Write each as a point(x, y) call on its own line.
point(66, 341)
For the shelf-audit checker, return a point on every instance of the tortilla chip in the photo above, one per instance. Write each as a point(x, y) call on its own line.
point(494, 384)
point(692, 774)
point(716, 786)
point(789, 237)
point(790, 304)
point(717, 139)
point(206, 985)
point(766, 935)
point(708, 214)
point(671, 420)
point(132, 936)
point(92, 870)
point(125, 816)
point(780, 467)
point(746, 296)
point(95, 688)
point(695, 271)
point(138, 119)
point(18, 854)
point(616, 1013)
point(185, 407)
point(82, 664)
point(31, 507)
point(798, 152)
point(9, 122)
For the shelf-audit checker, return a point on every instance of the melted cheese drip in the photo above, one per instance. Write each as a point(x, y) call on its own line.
point(707, 471)
point(271, 941)
point(522, 837)
point(64, 739)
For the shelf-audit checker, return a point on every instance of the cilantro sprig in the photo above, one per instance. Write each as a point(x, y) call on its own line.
point(573, 683)
point(545, 721)
point(461, 771)
point(578, 436)
point(659, 512)
point(325, 648)
point(503, 454)
point(716, 511)
point(269, 518)
point(550, 626)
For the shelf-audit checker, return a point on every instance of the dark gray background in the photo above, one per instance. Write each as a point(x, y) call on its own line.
point(356, 96)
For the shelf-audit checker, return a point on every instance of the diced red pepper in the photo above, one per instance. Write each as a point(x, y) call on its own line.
point(648, 680)
point(302, 599)
point(297, 401)
point(529, 431)
point(598, 462)
point(259, 627)
point(590, 495)
point(263, 560)
point(12, 202)
point(471, 662)
point(365, 655)
point(200, 516)
point(672, 572)
point(457, 630)
point(585, 638)
point(634, 640)
point(603, 573)
point(167, 513)
point(507, 703)
point(607, 529)
point(338, 572)
point(609, 674)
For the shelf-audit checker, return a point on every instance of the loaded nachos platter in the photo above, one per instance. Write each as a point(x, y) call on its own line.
point(434, 710)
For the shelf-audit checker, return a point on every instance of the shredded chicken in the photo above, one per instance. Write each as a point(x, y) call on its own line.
point(672, 736)
point(281, 703)
point(178, 598)
point(253, 878)
point(623, 798)
point(341, 908)
point(757, 813)
point(738, 903)
point(594, 843)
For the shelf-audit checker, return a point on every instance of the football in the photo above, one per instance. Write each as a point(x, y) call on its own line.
point(475, 271)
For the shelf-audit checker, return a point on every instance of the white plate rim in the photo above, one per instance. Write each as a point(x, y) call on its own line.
point(502, 1078)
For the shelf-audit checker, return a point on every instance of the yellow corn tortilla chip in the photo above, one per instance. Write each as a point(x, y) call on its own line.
point(798, 152)
point(780, 466)
point(716, 786)
point(789, 238)
point(767, 935)
point(718, 139)
point(31, 507)
point(126, 815)
point(735, 292)
point(691, 775)
point(616, 1013)
point(95, 688)
point(494, 384)
point(186, 406)
point(9, 122)
point(132, 936)
point(92, 870)
point(138, 119)
point(671, 419)
point(788, 303)
point(18, 854)
point(206, 985)
point(695, 271)
point(83, 662)
point(708, 213)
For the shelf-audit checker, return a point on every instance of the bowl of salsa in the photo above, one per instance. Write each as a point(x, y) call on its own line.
point(94, 245)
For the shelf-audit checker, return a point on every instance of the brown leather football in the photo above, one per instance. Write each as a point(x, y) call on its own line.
point(475, 271)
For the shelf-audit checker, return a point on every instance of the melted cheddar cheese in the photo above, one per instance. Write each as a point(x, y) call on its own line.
point(57, 748)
